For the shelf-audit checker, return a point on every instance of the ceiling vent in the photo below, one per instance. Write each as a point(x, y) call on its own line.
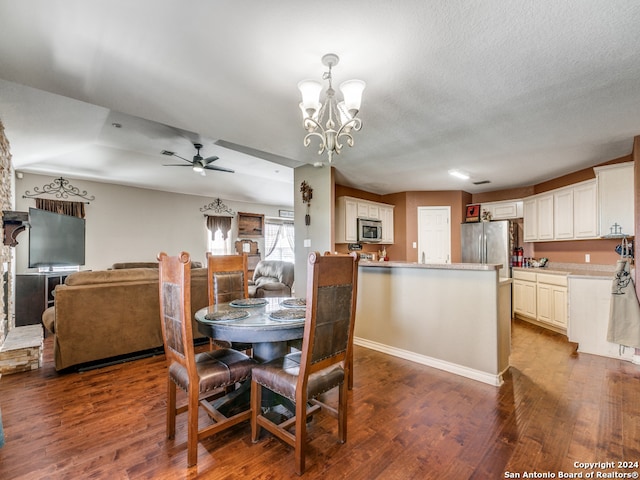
point(482, 182)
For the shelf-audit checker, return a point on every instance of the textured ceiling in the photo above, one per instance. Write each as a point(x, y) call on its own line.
point(511, 92)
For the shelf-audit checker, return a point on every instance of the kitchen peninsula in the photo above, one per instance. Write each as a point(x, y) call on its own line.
point(454, 317)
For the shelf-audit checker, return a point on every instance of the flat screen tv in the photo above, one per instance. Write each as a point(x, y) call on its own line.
point(55, 240)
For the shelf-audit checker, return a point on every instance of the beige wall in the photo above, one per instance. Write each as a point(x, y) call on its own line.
point(320, 232)
point(134, 224)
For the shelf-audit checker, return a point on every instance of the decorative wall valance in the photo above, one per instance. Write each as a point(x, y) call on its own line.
point(217, 206)
point(64, 207)
point(217, 222)
point(61, 188)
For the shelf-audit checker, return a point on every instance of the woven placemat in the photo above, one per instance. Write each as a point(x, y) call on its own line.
point(226, 315)
point(294, 302)
point(248, 302)
point(287, 314)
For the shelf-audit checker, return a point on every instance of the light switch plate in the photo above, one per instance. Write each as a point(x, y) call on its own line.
point(307, 242)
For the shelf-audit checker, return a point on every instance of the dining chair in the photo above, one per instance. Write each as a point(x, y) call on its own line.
point(203, 376)
point(322, 364)
point(227, 280)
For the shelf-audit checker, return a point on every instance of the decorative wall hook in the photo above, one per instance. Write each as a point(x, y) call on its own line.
point(61, 188)
point(217, 206)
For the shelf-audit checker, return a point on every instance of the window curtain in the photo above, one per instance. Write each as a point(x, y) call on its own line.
point(272, 232)
point(289, 233)
point(218, 222)
point(64, 207)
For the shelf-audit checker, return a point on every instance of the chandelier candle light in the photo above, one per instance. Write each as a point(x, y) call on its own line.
point(339, 119)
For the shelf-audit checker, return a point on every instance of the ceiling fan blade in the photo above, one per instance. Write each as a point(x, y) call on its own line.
point(220, 169)
point(208, 160)
point(181, 158)
point(176, 165)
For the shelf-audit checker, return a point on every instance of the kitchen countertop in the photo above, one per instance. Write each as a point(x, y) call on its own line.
point(433, 266)
point(574, 270)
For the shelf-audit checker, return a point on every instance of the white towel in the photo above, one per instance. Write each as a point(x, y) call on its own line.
point(624, 315)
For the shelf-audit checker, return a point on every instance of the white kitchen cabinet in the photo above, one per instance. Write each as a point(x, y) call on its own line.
point(524, 293)
point(538, 218)
point(346, 220)
point(585, 213)
point(563, 214)
point(368, 210)
point(551, 299)
point(530, 219)
point(349, 209)
point(567, 213)
point(386, 215)
point(615, 198)
point(541, 298)
point(545, 216)
point(503, 210)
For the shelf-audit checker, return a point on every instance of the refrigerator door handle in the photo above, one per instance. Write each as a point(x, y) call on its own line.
point(485, 253)
point(480, 247)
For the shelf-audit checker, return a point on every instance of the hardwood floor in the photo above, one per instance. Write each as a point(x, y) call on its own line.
point(406, 421)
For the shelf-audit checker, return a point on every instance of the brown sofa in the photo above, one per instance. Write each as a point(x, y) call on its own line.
point(111, 313)
point(272, 278)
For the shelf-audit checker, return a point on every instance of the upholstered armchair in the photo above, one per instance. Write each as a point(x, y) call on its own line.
point(272, 278)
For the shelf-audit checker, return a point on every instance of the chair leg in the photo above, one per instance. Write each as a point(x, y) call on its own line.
point(192, 427)
point(171, 408)
point(256, 403)
point(342, 412)
point(350, 371)
point(301, 436)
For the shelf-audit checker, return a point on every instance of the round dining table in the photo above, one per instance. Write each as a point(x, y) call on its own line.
point(267, 323)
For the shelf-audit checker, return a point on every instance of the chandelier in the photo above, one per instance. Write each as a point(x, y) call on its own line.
point(330, 121)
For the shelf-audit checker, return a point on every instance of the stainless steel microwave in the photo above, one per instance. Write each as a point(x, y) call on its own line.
point(369, 231)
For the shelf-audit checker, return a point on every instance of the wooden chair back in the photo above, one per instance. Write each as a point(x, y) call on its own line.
point(332, 282)
point(227, 278)
point(175, 306)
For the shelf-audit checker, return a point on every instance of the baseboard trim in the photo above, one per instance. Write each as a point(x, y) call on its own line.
point(495, 380)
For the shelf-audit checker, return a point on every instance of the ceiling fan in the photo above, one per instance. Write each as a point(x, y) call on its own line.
point(198, 164)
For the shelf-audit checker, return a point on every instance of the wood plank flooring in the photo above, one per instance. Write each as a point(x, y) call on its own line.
point(406, 421)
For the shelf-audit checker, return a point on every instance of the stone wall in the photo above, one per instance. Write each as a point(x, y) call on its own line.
point(6, 202)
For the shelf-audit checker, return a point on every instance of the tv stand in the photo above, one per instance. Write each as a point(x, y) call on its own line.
point(34, 294)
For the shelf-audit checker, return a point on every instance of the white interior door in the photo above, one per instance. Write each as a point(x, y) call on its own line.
point(434, 234)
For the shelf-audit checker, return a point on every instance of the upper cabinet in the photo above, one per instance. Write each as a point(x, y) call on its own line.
point(349, 209)
point(568, 213)
point(585, 210)
point(504, 210)
point(615, 199)
point(538, 218)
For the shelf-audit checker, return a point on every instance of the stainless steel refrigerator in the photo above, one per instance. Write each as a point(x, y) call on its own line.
point(488, 242)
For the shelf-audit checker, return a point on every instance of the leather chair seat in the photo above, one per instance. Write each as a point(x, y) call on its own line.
point(216, 368)
point(281, 376)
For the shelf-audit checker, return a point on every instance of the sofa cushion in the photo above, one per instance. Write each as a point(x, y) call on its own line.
point(262, 281)
point(124, 265)
point(112, 276)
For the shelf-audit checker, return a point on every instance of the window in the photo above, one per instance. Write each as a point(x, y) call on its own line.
point(220, 246)
point(279, 240)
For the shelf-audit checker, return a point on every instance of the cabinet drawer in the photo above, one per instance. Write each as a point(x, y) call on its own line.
point(528, 276)
point(551, 279)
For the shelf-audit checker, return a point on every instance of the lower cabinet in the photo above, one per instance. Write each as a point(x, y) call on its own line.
point(541, 297)
point(524, 298)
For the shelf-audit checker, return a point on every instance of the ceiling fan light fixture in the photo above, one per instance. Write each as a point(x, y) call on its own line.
point(198, 168)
